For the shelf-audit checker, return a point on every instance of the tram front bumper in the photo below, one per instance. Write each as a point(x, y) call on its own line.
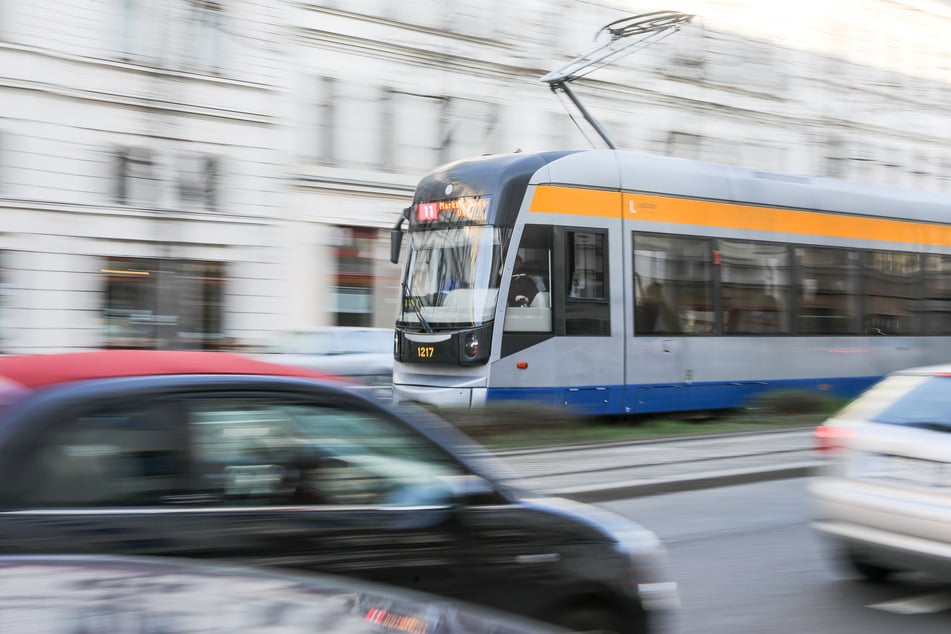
point(442, 397)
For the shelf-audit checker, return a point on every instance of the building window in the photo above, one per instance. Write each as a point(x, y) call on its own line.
point(139, 30)
point(198, 178)
point(205, 35)
point(155, 303)
point(468, 127)
point(357, 121)
point(387, 121)
point(684, 145)
point(416, 126)
point(326, 120)
point(134, 181)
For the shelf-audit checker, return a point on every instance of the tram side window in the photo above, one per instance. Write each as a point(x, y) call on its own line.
point(587, 310)
point(673, 285)
point(827, 291)
point(754, 287)
point(529, 304)
point(936, 296)
point(891, 293)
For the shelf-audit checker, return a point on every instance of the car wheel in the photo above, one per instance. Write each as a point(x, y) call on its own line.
point(599, 620)
point(870, 572)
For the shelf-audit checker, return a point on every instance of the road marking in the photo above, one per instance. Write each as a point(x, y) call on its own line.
point(921, 604)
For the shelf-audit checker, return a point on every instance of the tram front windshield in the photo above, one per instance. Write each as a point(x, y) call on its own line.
point(452, 277)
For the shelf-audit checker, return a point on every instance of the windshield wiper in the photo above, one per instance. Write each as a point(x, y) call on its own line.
point(416, 307)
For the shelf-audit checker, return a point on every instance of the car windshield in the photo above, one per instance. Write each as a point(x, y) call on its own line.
point(336, 342)
point(910, 400)
point(452, 276)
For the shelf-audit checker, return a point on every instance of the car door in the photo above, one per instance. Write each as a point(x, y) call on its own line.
point(326, 484)
point(91, 474)
point(278, 477)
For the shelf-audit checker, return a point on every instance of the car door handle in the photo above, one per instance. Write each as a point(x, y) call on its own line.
point(539, 558)
point(191, 498)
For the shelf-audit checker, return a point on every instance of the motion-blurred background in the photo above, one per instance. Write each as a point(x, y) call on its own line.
point(207, 174)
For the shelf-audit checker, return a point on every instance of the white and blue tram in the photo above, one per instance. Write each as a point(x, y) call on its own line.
point(661, 284)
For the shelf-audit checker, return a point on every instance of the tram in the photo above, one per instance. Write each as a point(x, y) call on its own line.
point(613, 282)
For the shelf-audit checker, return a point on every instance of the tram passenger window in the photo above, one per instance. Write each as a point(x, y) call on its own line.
point(673, 285)
point(754, 287)
point(827, 290)
point(936, 298)
point(587, 311)
point(891, 293)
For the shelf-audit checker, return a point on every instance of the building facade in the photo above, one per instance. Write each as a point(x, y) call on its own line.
point(205, 174)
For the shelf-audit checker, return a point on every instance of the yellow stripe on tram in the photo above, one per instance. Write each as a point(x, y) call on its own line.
point(647, 208)
point(575, 201)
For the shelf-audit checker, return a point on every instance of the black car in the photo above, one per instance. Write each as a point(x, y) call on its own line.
point(212, 455)
point(52, 594)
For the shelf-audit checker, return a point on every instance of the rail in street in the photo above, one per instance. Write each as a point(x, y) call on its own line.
point(607, 472)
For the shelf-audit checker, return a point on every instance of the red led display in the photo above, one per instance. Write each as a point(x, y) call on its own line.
point(469, 208)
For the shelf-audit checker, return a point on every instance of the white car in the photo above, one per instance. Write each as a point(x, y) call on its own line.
point(884, 497)
point(364, 354)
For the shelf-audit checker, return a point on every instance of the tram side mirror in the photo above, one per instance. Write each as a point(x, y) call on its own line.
point(396, 240)
point(396, 237)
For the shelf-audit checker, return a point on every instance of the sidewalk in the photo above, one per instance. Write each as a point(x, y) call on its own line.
point(619, 470)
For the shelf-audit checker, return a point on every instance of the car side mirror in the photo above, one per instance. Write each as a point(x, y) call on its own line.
point(471, 489)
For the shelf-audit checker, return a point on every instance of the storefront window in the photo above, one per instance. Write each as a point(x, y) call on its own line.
point(153, 303)
point(353, 290)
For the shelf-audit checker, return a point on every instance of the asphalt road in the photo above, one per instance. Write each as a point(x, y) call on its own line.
point(747, 562)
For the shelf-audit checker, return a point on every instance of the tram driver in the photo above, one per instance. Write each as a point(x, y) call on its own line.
point(524, 286)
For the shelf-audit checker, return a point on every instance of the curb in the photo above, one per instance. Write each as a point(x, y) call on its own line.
point(709, 480)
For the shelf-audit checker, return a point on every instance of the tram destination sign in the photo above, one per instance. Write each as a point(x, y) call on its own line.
point(467, 209)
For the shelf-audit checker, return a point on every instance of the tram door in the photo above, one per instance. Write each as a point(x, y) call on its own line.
point(671, 286)
point(592, 374)
point(564, 344)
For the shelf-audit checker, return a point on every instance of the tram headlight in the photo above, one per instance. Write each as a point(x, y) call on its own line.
point(472, 345)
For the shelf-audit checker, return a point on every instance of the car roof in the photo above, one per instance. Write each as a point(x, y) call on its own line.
point(40, 370)
point(943, 369)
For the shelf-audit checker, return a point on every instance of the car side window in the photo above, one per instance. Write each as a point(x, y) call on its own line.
point(116, 457)
point(277, 452)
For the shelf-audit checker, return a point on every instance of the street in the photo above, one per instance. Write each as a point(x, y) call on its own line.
point(747, 561)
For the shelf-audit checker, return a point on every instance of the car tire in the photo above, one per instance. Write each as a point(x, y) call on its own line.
point(873, 573)
point(600, 620)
